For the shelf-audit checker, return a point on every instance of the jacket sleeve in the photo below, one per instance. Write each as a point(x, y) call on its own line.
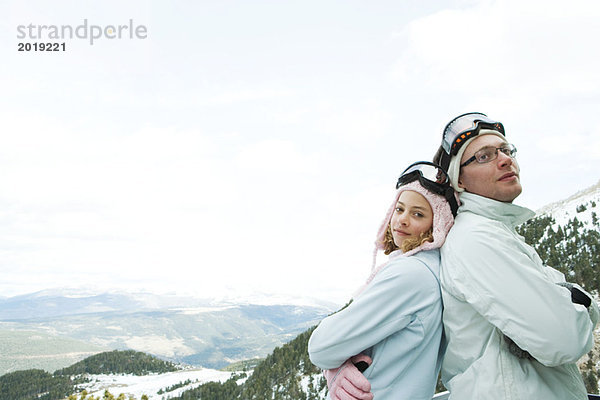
point(593, 310)
point(558, 277)
point(386, 306)
point(503, 279)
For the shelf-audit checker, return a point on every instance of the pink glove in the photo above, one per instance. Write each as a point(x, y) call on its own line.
point(347, 382)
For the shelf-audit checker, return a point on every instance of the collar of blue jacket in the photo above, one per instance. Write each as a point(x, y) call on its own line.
point(507, 213)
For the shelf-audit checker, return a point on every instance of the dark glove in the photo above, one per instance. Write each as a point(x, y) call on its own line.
point(577, 296)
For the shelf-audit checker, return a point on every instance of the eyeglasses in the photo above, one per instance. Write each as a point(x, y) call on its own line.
point(465, 126)
point(490, 153)
point(433, 178)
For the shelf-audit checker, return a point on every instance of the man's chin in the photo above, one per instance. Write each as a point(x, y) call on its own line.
point(512, 195)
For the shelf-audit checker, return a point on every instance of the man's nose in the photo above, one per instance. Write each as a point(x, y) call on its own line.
point(503, 159)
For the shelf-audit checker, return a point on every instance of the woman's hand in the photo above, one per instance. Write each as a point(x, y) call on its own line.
point(347, 382)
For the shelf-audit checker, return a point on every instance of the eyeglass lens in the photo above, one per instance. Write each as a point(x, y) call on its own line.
point(488, 154)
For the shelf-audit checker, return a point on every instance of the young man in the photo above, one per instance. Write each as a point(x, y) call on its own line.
point(514, 327)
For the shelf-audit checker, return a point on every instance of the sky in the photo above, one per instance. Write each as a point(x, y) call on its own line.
point(244, 147)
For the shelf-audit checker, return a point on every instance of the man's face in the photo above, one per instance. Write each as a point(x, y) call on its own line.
point(497, 179)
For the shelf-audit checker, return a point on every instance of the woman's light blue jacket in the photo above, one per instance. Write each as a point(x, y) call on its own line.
point(397, 320)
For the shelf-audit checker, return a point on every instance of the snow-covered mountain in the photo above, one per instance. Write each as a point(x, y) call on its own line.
point(583, 205)
point(566, 235)
point(56, 302)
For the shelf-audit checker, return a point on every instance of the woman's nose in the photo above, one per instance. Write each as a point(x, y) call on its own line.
point(403, 219)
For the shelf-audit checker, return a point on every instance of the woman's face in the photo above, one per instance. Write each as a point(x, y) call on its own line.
point(412, 217)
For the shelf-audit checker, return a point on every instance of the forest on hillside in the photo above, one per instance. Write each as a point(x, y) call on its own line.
point(119, 362)
point(42, 385)
point(571, 248)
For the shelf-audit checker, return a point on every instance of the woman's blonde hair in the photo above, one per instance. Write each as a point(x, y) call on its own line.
point(408, 244)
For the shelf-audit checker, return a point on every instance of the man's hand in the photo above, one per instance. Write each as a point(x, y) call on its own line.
point(577, 295)
point(347, 382)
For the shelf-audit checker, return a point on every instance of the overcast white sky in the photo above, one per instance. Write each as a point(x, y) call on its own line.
point(249, 146)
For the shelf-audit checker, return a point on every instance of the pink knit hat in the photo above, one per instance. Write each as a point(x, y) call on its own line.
point(442, 222)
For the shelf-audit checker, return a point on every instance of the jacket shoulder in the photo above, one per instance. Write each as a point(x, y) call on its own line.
point(472, 228)
point(421, 267)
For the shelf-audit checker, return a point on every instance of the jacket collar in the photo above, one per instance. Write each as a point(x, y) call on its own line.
point(507, 213)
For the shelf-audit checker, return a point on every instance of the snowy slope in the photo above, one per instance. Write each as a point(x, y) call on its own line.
point(149, 385)
point(565, 210)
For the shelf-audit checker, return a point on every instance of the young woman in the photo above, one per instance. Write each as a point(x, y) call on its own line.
point(396, 318)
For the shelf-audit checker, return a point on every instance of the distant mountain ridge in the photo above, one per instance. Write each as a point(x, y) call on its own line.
point(199, 332)
point(58, 302)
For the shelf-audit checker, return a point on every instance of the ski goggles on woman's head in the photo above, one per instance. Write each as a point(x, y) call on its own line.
point(433, 178)
point(464, 127)
point(426, 172)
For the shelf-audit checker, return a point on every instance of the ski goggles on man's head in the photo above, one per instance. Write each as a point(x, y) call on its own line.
point(464, 127)
point(433, 178)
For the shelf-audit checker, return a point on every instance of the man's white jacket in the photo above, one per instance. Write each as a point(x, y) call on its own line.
point(494, 287)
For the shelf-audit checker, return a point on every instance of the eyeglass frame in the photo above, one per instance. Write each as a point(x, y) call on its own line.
point(512, 151)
